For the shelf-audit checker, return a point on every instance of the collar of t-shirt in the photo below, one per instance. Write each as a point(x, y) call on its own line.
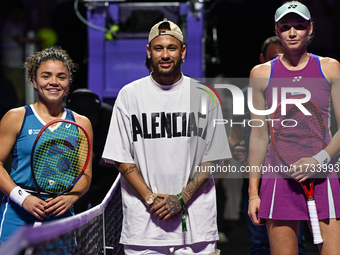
point(171, 87)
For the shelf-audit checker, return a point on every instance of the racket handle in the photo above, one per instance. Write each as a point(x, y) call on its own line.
point(37, 224)
point(314, 221)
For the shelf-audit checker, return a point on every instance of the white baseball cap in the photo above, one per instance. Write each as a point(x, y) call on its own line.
point(292, 7)
point(172, 30)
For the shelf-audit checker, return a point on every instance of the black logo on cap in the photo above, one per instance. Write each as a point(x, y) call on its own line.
point(292, 6)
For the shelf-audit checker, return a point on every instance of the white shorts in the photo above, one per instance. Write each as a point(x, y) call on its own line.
point(207, 248)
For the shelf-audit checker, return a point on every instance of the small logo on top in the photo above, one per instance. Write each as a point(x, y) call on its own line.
point(297, 78)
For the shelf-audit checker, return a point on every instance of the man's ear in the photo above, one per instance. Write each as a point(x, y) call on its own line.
point(183, 51)
point(148, 51)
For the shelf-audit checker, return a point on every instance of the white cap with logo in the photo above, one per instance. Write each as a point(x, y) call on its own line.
point(292, 7)
point(172, 29)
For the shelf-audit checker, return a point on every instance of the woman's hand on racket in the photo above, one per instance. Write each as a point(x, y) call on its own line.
point(253, 208)
point(303, 169)
point(35, 206)
point(59, 205)
point(167, 207)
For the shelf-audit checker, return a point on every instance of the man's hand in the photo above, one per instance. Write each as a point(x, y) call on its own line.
point(166, 207)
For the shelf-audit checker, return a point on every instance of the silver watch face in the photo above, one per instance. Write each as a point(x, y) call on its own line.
point(149, 200)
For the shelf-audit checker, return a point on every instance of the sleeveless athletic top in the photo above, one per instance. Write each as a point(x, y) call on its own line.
point(310, 78)
point(284, 198)
point(31, 126)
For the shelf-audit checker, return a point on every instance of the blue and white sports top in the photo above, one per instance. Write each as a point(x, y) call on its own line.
point(21, 153)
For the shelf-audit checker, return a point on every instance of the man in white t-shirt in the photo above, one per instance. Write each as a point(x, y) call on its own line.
point(165, 140)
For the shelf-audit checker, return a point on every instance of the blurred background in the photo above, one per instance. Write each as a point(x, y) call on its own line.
point(107, 38)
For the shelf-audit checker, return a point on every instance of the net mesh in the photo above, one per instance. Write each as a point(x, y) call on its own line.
point(95, 231)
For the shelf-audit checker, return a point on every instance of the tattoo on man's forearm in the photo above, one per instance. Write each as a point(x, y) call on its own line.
point(129, 170)
point(190, 190)
point(140, 176)
point(185, 196)
point(195, 182)
point(194, 179)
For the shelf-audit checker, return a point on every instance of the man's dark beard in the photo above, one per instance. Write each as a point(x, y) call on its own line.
point(167, 73)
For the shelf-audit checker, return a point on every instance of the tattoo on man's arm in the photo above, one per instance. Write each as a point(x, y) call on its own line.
point(185, 196)
point(195, 182)
point(140, 176)
point(129, 170)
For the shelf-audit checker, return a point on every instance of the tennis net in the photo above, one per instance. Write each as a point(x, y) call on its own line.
point(95, 231)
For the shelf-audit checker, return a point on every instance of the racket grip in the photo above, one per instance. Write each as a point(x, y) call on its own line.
point(314, 221)
point(37, 224)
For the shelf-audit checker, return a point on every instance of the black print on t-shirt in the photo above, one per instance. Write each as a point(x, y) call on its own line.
point(161, 125)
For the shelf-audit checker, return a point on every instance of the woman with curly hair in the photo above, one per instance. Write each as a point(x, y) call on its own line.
point(50, 71)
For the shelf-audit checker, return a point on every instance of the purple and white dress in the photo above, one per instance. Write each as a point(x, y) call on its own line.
point(283, 198)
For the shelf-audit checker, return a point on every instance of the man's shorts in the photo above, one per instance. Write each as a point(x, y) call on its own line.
point(208, 248)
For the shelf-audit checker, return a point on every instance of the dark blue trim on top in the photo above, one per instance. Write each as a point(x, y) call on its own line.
point(271, 73)
point(317, 57)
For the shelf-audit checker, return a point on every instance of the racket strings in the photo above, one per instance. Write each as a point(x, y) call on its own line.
point(59, 157)
point(297, 135)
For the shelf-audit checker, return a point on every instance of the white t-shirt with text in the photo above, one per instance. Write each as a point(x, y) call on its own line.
point(167, 131)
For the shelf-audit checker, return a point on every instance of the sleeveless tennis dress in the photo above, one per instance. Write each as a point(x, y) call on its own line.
point(283, 198)
point(12, 216)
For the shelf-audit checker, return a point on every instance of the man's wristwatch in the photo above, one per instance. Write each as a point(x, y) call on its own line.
point(150, 199)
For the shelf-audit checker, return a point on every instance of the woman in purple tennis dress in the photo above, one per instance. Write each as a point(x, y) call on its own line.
point(281, 202)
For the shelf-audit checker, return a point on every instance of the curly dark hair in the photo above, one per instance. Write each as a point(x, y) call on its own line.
point(53, 53)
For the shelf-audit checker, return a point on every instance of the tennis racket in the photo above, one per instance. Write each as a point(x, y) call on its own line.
point(295, 136)
point(59, 157)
